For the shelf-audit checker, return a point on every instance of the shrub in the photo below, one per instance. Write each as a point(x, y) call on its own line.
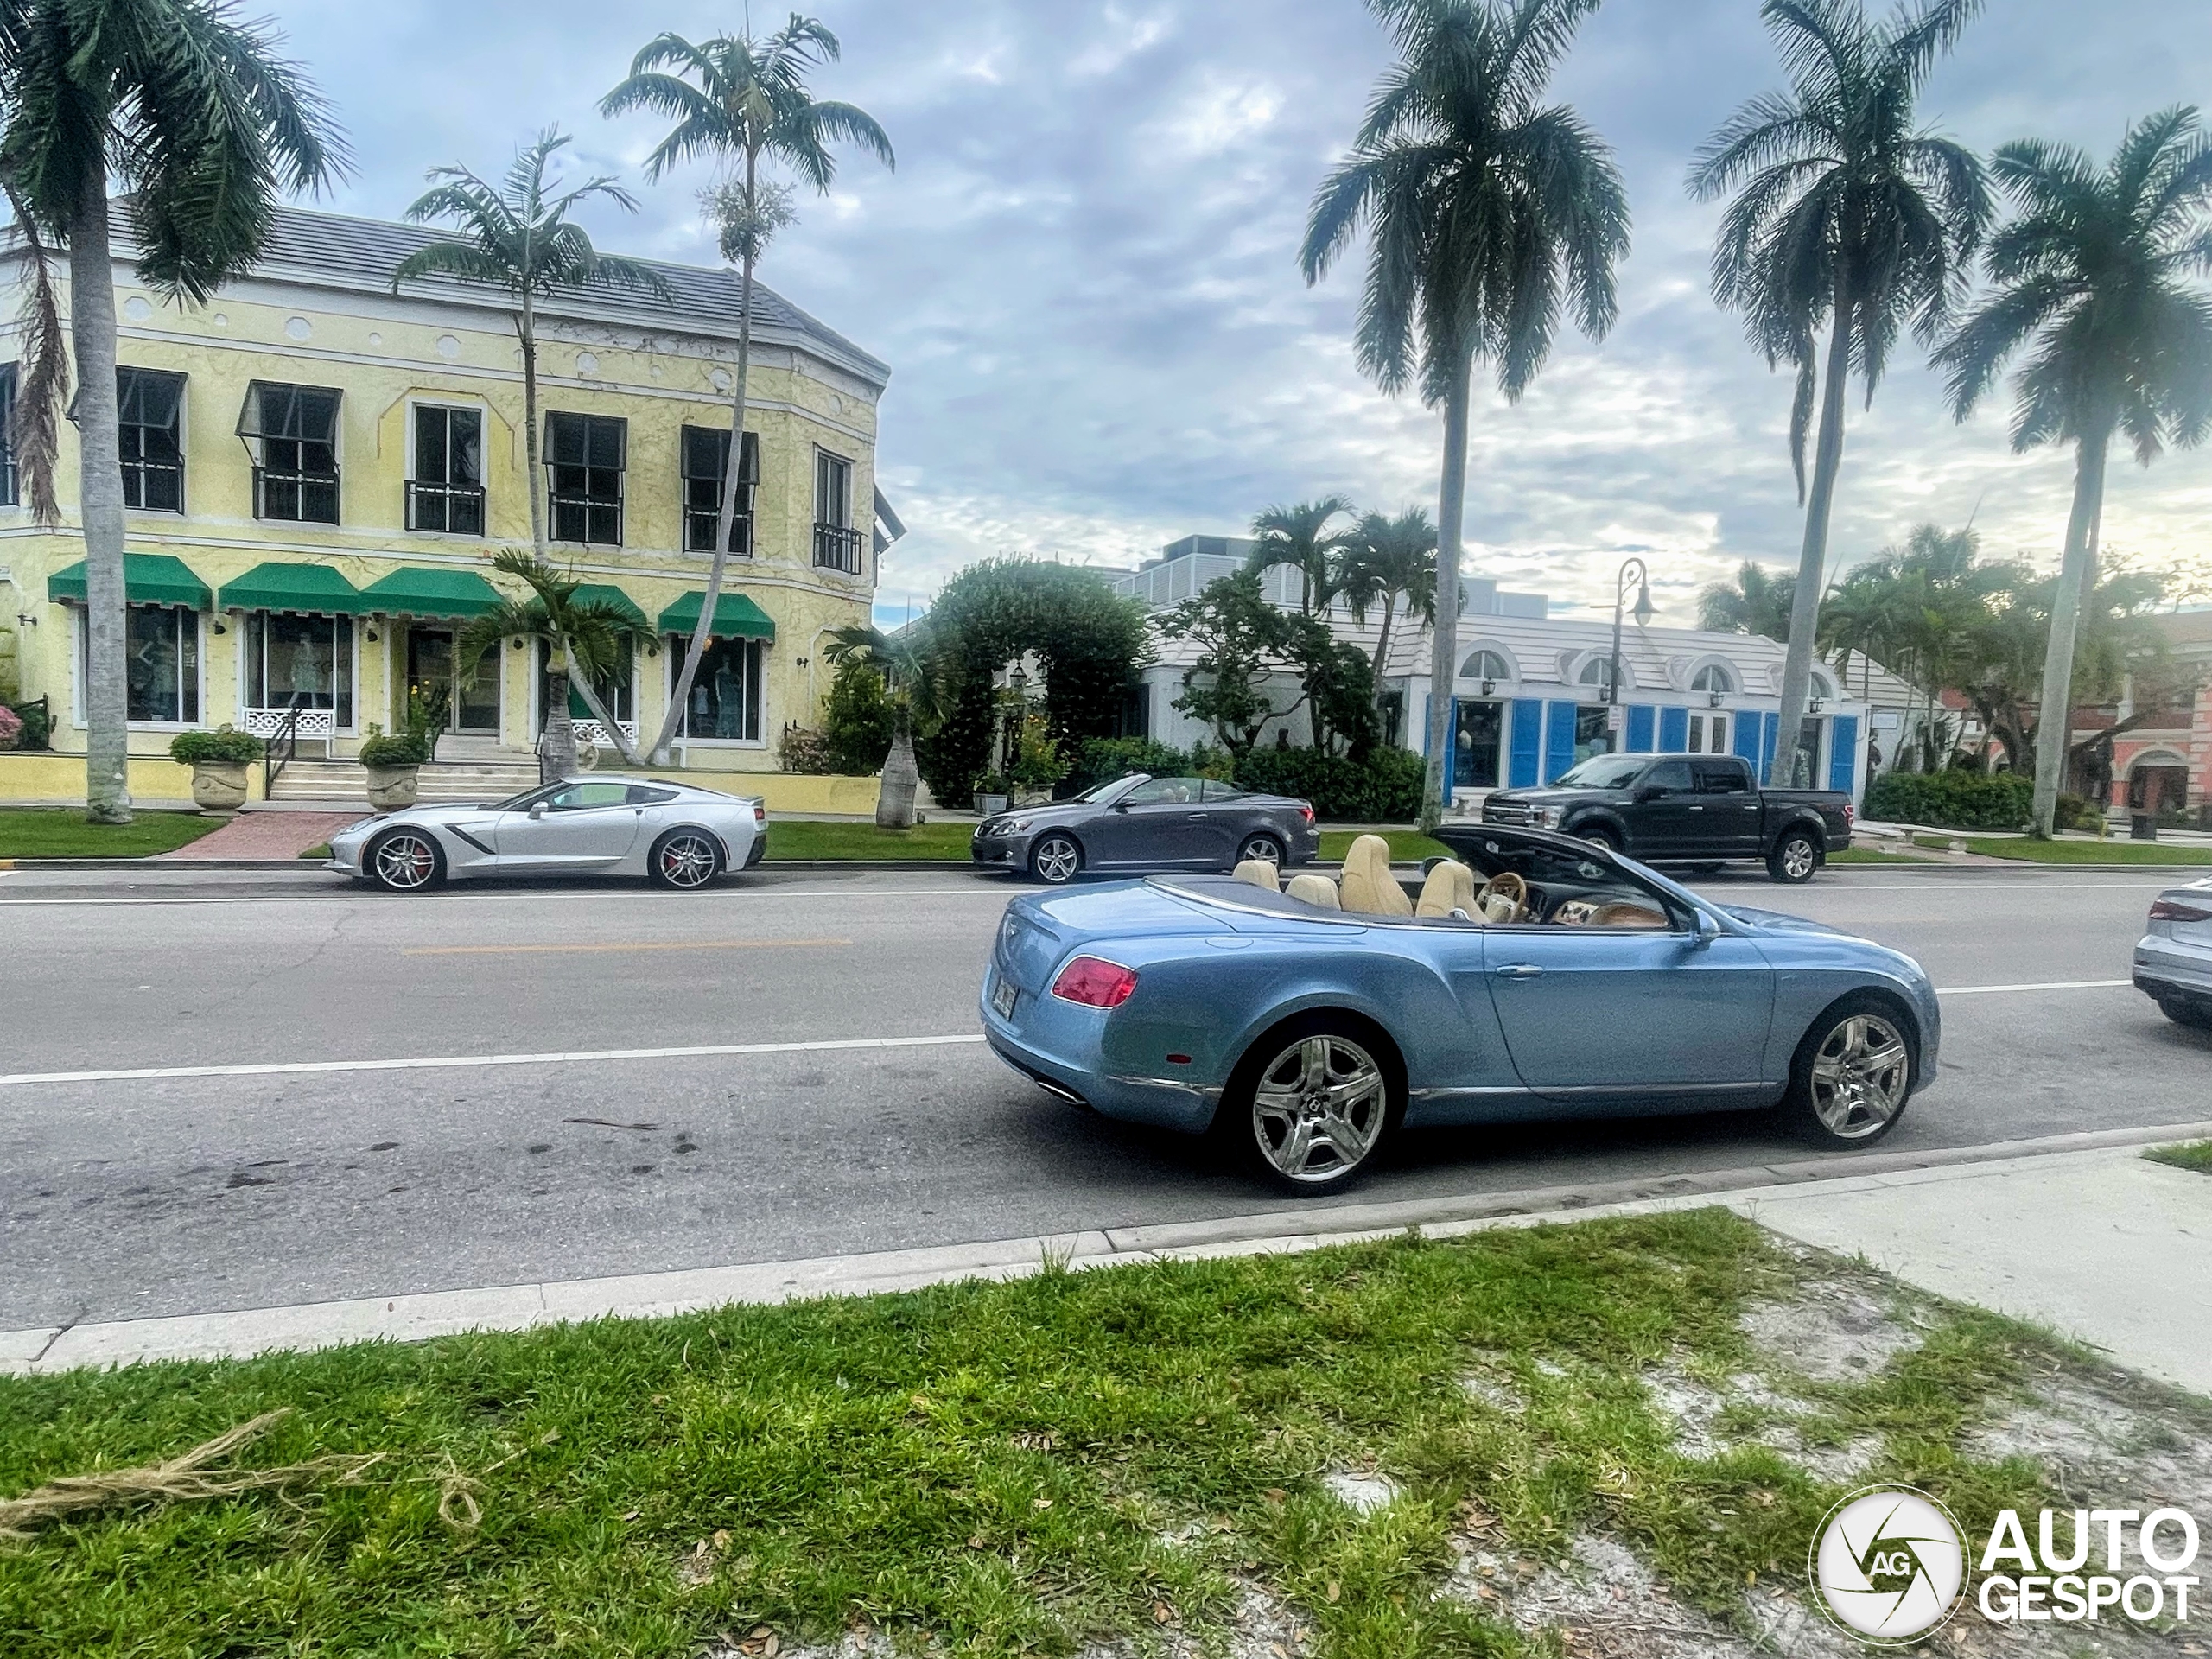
point(1383, 787)
point(38, 724)
point(11, 727)
point(801, 749)
point(220, 747)
point(857, 722)
point(389, 753)
point(2074, 812)
point(1952, 800)
point(1102, 760)
point(1038, 763)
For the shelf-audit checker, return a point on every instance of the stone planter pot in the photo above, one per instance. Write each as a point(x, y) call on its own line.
point(989, 805)
point(391, 787)
point(218, 785)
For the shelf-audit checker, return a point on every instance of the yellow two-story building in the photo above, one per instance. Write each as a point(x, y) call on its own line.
point(318, 470)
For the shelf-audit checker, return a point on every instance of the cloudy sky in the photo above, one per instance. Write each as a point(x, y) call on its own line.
point(1083, 271)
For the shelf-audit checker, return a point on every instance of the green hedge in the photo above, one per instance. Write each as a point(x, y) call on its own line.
point(1384, 787)
point(1952, 800)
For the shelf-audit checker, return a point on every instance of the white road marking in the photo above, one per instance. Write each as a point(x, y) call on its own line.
point(2045, 985)
point(434, 1063)
point(627, 898)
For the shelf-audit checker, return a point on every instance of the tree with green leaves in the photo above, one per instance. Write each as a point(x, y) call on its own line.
point(1243, 641)
point(1488, 213)
point(2092, 273)
point(1847, 216)
point(207, 126)
point(1758, 602)
point(1384, 560)
point(1307, 538)
point(587, 644)
point(917, 706)
point(750, 108)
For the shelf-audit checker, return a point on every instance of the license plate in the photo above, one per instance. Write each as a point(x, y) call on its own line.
point(1003, 997)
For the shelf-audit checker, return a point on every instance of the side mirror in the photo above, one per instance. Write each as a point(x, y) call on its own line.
point(537, 809)
point(1648, 792)
point(1704, 929)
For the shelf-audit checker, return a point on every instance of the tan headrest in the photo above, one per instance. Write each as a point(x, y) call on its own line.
point(1315, 890)
point(1450, 887)
point(1368, 887)
point(1259, 873)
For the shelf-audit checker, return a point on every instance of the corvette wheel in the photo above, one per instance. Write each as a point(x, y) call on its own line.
point(1055, 860)
point(1853, 1074)
point(1311, 1111)
point(685, 859)
point(407, 861)
point(1266, 848)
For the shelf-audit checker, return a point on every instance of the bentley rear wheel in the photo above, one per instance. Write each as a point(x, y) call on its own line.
point(1311, 1102)
point(406, 861)
point(1853, 1074)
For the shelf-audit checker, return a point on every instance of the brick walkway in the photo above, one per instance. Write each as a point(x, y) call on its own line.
point(267, 835)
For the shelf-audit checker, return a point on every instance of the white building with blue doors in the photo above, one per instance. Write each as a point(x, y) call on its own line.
point(1530, 699)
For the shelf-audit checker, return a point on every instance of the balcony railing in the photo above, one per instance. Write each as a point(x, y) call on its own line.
point(456, 508)
point(699, 531)
point(838, 547)
point(299, 498)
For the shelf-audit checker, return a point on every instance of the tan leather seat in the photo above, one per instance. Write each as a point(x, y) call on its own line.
point(1368, 887)
point(1259, 874)
point(1315, 890)
point(1627, 915)
point(1450, 887)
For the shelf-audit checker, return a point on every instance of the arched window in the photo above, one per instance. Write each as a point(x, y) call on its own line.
point(1713, 677)
point(1597, 671)
point(1485, 665)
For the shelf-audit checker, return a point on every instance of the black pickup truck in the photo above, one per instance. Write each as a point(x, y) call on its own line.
point(1696, 809)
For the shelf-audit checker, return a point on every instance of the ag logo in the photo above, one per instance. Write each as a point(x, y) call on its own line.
point(1889, 1562)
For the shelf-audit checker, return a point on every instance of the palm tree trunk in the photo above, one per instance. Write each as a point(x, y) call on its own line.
point(91, 330)
point(2055, 721)
point(1383, 643)
point(557, 750)
point(894, 796)
point(1443, 663)
point(526, 326)
point(725, 518)
point(1805, 602)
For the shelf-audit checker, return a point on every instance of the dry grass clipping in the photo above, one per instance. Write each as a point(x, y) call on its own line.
point(179, 1479)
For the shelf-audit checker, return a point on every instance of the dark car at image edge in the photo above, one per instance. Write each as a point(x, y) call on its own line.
point(1682, 808)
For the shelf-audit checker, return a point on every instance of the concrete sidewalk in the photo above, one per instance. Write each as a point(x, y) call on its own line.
point(2090, 1241)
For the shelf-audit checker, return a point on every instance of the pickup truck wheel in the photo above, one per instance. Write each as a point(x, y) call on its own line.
point(1796, 859)
point(1604, 838)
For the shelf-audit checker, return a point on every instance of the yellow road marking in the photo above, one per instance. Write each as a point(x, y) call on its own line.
point(588, 949)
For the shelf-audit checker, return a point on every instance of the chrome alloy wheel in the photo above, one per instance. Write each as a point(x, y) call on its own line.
point(1319, 1109)
point(1798, 858)
point(1264, 849)
point(405, 862)
point(687, 860)
point(1056, 860)
point(1860, 1073)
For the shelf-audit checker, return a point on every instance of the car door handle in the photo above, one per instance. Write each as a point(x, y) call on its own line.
point(1521, 971)
point(1697, 809)
point(1194, 815)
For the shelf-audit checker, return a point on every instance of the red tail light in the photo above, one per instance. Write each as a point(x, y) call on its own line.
point(2170, 910)
point(1305, 811)
point(1095, 983)
point(1850, 813)
point(759, 811)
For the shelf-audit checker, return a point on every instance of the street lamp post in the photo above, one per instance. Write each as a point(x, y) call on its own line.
point(1642, 614)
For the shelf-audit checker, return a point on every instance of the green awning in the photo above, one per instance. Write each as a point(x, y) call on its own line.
point(621, 601)
point(148, 579)
point(737, 617)
point(430, 590)
point(275, 585)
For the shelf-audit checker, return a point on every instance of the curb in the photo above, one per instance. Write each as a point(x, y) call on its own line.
point(241, 1333)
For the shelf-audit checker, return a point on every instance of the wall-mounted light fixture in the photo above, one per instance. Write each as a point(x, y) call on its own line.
point(219, 628)
point(26, 619)
point(1815, 705)
point(1488, 686)
point(369, 635)
point(1713, 699)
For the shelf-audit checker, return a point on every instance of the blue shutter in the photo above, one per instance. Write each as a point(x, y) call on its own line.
point(1745, 726)
point(1674, 730)
point(1558, 739)
point(1769, 728)
point(1639, 728)
point(1843, 751)
point(1527, 741)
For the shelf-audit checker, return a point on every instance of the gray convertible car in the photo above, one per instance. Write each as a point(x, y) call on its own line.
point(1143, 822)
point(678, 835)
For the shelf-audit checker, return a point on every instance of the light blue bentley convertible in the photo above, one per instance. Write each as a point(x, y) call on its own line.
point(1542, 977)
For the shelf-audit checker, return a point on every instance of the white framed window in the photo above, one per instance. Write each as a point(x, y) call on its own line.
point(1487, 665)
point(1708, 733)
point(161, 665)
point(1714, 677)
point(291, 432)
point(290, 657)
point(728, 694)
point(837, 543)
point(1598, 671)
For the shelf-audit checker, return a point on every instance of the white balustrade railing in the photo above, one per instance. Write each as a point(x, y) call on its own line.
point(267, 723)
point(591, 731)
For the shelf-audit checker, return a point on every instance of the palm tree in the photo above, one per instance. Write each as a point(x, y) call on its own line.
point(1846, 216)
point(1386, 559)
point(918, 703)
point(1758, 602)
point(2091, 271)
point(750, 106)
point(206, 126)
point(1301, 536)
point(1489, 211)
point(586, 640)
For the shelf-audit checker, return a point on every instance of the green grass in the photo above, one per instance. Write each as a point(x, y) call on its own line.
point(1407, 846)
point(804, 838)
point(2194, 1154)
point(1013, 1468)
point(61, 832)
point(318, 853)
point(2087, 852)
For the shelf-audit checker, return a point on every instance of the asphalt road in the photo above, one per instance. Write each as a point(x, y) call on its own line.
point(125, 1197)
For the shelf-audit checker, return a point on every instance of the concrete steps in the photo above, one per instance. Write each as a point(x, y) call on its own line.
point(304, 782)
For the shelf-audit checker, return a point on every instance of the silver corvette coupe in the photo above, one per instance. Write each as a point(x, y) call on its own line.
point(678, 835)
